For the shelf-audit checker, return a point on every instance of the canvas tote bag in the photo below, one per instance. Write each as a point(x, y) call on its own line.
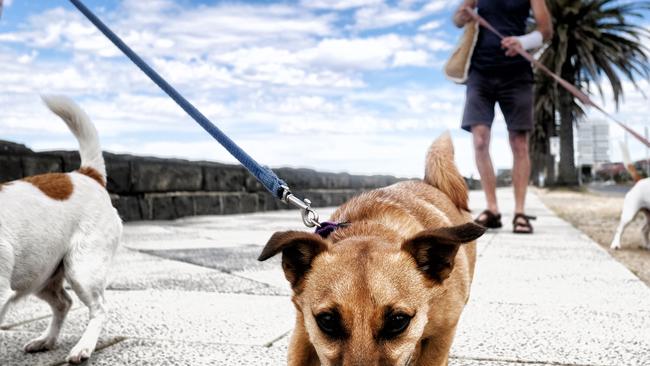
point(457, 67)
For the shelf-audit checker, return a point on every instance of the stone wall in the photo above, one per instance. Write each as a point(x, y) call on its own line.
point(146, 188)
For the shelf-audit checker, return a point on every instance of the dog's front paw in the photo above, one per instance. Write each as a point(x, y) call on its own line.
point(39, 344)
point(79, 354)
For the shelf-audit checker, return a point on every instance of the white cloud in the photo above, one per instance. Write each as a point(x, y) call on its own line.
point(300, 104)
point(432, 43)
point(148, 6)
point(194, 30)
point(432, 25)
point(261, 22)
point(337, 4)
point(439, 5)
point(28, 58)
point(359, 53)
point(383, 15)
point(339, 55)
point(411, 58)
point(275, 44)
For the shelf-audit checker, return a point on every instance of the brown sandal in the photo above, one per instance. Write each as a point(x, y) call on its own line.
point(490, 220)
point(519, 227)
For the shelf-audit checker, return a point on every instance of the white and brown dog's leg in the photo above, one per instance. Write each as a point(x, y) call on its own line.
point(60, 302)
point(97, 311)
point(627, 216)
point(645, 232)
point(6, 294)
point(6, 298)
point(86, 268)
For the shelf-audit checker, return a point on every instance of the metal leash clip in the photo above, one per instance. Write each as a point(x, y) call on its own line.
point(309, 215)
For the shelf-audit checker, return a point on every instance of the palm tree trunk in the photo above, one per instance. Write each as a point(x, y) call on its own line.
point(540, 158)
point(551, 128)
point(550, 170)
point(536, 166)
point(567, 170)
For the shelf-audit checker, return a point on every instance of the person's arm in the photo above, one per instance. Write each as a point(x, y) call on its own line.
point(542, 18)
point(461, 17)
point(536, 38)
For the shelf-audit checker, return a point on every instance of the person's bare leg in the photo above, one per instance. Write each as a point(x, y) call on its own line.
point(520, 168)
point(481, 137)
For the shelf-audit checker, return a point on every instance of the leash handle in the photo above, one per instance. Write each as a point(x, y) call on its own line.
point(581, 96)
point(264, 175)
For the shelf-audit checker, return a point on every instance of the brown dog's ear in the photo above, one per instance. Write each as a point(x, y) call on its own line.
point(434, 250)
point(298, 249)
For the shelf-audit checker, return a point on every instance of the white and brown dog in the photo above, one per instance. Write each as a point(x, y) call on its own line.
point(60, 226)
point(637, 199)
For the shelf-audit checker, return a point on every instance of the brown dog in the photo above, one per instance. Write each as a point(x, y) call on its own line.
point(389, 287)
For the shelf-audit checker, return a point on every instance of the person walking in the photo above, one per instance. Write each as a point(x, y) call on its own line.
point(498, 74)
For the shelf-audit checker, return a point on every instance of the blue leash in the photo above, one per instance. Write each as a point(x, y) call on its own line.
point(264, 175)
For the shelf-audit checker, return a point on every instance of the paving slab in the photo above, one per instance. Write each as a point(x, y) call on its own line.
point(223, 259)
point(189, 316)
point(150, 352)
point(133, 270)
point(554, 334)
point(272, 277)
point(230, 239)
point(559, 290)
point(31, 308)
point(224, 231)
point(11, 352)
point(487, 362)
point(25, 309)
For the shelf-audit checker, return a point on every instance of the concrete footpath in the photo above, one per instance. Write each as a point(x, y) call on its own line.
point(190, 292)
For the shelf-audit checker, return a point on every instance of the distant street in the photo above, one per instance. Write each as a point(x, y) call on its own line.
point(609, 189)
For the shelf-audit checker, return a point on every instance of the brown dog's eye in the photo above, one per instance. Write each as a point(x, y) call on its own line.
point(330, 324)
point(395, 324)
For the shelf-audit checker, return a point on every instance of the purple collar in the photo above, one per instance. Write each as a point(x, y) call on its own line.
point(328, 227)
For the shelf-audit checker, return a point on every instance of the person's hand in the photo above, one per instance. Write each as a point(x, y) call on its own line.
point(512, 45)
point(464, 14)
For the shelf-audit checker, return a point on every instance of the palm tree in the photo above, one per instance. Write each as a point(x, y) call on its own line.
point(545, 127)
point(592, 39)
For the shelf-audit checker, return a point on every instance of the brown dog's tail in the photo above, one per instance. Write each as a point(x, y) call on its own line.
point(441, 172)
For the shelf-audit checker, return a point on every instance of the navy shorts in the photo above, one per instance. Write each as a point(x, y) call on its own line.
point(513, 91)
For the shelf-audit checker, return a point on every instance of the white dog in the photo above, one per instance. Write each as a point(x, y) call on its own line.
point(60, 226)
point(637, 199)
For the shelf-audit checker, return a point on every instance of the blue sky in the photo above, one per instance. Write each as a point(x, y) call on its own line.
point(335, 85)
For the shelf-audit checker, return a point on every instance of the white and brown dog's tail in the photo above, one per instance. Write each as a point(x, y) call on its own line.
point(441, 171)
point(82, 128)
point(627, 161)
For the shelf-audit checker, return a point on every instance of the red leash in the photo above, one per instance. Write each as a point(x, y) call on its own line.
point(584, 98)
